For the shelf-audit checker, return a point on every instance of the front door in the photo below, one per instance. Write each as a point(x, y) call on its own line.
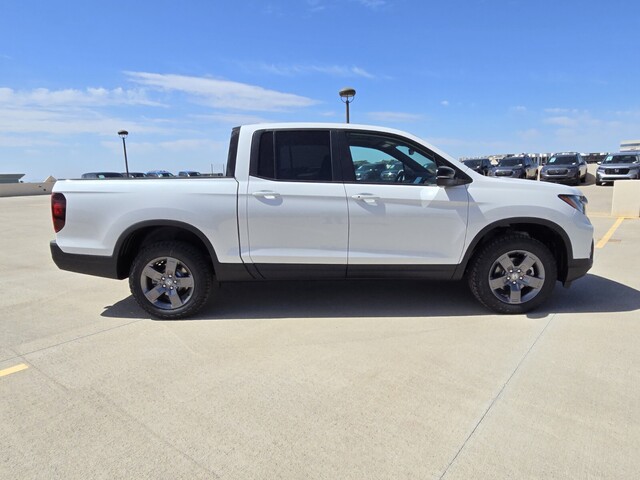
point(400, 220)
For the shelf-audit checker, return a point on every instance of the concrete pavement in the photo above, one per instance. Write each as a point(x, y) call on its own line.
point(375, 380)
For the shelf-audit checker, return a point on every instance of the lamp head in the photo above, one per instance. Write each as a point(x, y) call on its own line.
point(123, 133)
point(347, 94)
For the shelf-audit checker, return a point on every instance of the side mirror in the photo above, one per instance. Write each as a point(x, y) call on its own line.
point(446, 177)
point(599, 163)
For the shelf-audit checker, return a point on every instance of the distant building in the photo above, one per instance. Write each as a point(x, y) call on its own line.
point(629, 145)
point(11, 177)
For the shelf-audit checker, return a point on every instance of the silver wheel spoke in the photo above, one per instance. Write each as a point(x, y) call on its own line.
point(533, 282)
point(174, 298)
point(170, 267)
point(497, 283)
point(527, 263)
point(186, 282)
point(516, 294)
point(505, 262)
point(153, 294)
point(152, 274)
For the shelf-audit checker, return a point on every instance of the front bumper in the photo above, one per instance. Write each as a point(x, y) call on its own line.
point(569, 177)
point(577, 268)
point(602, 176)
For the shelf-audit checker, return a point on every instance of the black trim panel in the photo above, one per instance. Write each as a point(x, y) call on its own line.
point(98, 266)
point(278, 271)
point(285, 271)
point(425, 272)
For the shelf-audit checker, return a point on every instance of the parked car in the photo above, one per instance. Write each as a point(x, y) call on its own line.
point(370, 171)
point(102, 175)
point(135, 174)
point(618, 166)
point(480, 165)
point(160, 173)
point(393, 173)
point(189, 173)
point(511, 240)
point(515, 167)
point(565, 168)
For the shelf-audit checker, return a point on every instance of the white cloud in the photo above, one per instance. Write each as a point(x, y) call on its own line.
point(330, 70)
point(231, 118)
point(562, 121)
point(444, 103)
point(316, 5)
point(518, 109)
point(34, 120)
point(44, 97)
point(373, 3)
point(223, 93)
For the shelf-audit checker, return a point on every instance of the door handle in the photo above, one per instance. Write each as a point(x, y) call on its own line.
point(266, 194)
point(366, 197)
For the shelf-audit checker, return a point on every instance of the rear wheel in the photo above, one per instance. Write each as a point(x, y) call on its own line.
point(171, 280)
point(513, 274)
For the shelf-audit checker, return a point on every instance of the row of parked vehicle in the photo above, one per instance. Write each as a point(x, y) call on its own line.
point(151, 174)
point(569, 167)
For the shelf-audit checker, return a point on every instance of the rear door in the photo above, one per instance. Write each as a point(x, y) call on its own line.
point(297, 218)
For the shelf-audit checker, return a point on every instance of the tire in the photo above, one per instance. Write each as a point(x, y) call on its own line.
point(171, 280)
point(499, 284)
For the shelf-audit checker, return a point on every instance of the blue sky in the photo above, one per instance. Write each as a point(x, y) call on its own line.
point(471, 77)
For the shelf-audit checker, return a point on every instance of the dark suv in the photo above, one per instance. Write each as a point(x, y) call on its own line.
point(565, 168)
point(480, 165)
point(521, 166)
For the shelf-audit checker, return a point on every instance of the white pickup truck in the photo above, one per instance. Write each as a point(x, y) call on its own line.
point(324, 201)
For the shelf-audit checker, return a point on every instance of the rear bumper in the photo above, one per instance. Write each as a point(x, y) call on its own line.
point(88, 264)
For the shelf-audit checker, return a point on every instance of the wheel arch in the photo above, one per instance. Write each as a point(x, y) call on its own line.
point(545, 231)
point(144, 233)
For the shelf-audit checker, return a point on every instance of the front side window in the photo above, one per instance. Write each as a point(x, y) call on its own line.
point(381, 159)
point(295, 156)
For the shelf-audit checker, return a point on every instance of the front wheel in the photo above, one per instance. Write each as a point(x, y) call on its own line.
point(513, 274)
point(171, 280)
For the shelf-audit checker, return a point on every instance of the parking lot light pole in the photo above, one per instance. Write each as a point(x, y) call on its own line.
point(347, 94)
point(123, 134)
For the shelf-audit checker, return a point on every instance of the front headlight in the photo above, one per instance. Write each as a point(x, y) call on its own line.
point(579, 202)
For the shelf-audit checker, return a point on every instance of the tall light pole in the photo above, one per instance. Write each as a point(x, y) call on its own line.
point(347, 94)
point(123, 134)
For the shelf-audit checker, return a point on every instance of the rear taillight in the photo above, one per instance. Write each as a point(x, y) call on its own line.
point(58, 211)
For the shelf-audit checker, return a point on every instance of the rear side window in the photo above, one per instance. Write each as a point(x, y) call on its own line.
point(295, 156)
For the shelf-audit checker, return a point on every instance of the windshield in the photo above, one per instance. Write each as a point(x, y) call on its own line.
point(511, 162)
point(620, 159)
point(563, 160)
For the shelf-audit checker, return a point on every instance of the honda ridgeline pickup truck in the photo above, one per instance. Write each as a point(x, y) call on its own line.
point(292, 207)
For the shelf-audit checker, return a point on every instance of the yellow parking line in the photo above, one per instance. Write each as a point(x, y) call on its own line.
point(603, 241)
point(10, 370)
